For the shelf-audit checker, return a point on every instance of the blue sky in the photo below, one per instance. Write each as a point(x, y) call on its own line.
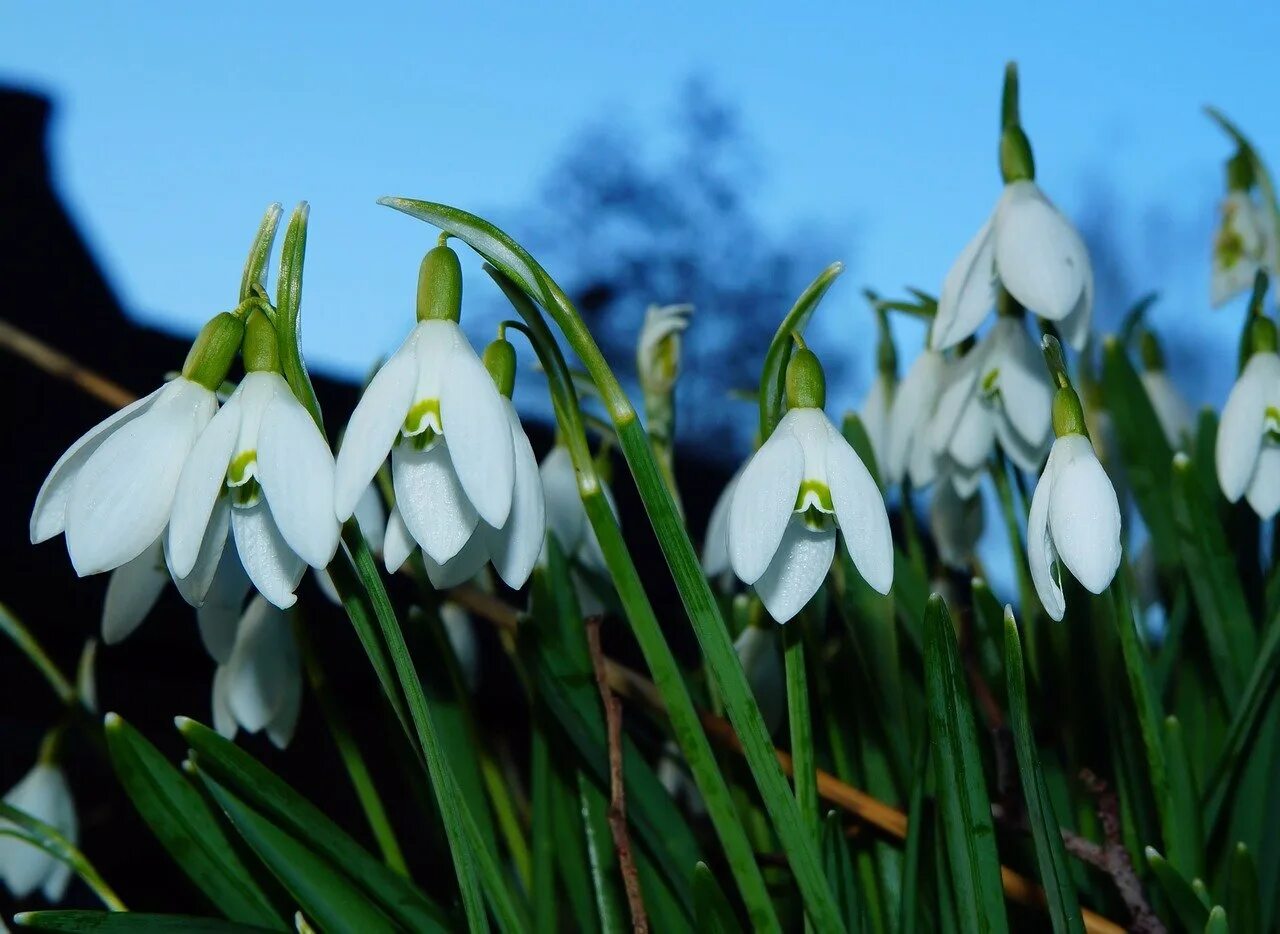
point(177, 124)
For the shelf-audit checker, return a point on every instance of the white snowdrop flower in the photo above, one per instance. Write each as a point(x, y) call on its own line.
point(1074, 520)
point(673, 774)
point(460, 631)
point(371, 517)
point(715, 548)
point(758, 651)
point(42, 793)
point(876, 419)
point(567, 520)
point(264, 464)
point(112, 491)
point(1032, 250)
point(1243, 245)
point(956, 523)
point(910, 452)
point(803, 483)
point(1000, 390)
point(1247, 450)
point(259, 687)
point(658, 350)
point(434, 407)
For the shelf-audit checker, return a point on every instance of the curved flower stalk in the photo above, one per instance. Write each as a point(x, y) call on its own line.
point(259, 687)
point(1247, 450)
point(1074, 520)
point(1027, 247)
point(957, 524)
point(435, 409)
point(263, 468)
point(910, 451)
point(804, 483)
point(111, 493)
point(998, 391)
point(44, 794)
point(514, 545)
point(1171, 408)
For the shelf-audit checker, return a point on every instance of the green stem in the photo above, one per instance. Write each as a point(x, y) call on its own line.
point(504, 810)
point(695, 591)
point(361, 780)
point(1027, 600)
point(27, 644)
point(804, 773)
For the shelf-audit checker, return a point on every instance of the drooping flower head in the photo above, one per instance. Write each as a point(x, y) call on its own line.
point(259, 686)
point(803, 484)
point(43, 794)
point(1171, 409)
point(1246, 240)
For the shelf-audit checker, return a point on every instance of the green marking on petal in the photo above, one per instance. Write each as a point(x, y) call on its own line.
point(246, 494)
point(240, 471)
point(991, 383)
point(814, 495)
point(424, 415)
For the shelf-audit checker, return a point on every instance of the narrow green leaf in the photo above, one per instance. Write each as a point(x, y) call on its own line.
point(1217, 923)
point(963, 805)
point(712, 910)
point(84, 922)
point(840, 871)
point(255, 267)
point(184, 824)
point(262, 790)
point(1186, 842)
point(1051, 856)
point(912, 894)
point(601, 858)
point(1182, 899)
point(855, 432)
point(1244, 905)
point(321, 890)
point(22, 826)
point(541, 832)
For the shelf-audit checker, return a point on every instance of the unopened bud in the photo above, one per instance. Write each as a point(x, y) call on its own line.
point(261, 355)
point(806, 383)
point(500, 361)
point(440, 285)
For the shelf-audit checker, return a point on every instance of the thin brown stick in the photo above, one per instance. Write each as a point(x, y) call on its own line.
point(625, 681)
point(617, 792)
point(1116, 857)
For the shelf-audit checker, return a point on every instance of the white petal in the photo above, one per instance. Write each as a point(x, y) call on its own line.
point(1024, 454)
point(479, 434)
point(132, 591)
point(219, 615)
point(757, 649)
point(371, 516)
point(224, 721)
point(715, 549)
point(763, 501)
point(373, 428)
point(566, 518)
point(514, 548)
point(195, 586)
point(1084, 516)
point(462, 639)
point(1264, 489)
point(55, 883)
point(799, 567)
point(398, 544)
point(1040, 258)
point(875, 419)
point(262, 663)
point(968, 292)
point(913, 405)
point(1041, 556)
point(120, 501)
point(43, 794)
point(1172, 410)
point(1074, 328)
point(956, 525)
point(267, 558)
point(589, 554)
point(204, 476)
point(284, 724)
point(973, 436)
point(958, 387)
point(1239, 438)
point(964, 481)
point(459, 569)
point(431, 500)
point(861, 514)
point(295, 468)
point(48, 516)
point(1026, 395)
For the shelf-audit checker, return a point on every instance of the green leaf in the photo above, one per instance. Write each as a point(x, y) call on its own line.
point(856, 434)
point(602, 859)
point(184, 824)
point(1244, 906)
point(912, 890)
point(712, 911)
point(1217, 923)
point(84, 922)
point(1186, 842)
point(321, 890)
point(541, 832)
point(1051, 856)
point(963, 805)
point(262, 790)
point(22, 826)
point(1183, 901)
point(839, 865)
point(289, 310)
point(255, 267)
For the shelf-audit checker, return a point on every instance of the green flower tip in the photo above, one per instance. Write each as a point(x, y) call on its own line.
point(1262, 336)
point(440, 285)
point(500, 361)
point(112, 721)
point(1068, 413)
point(1152, 355)
point(183, 723)
point(1009, 115)
point(214, 350)
point(1017, 164)
point(1181, 462)
point(806, 383)
point(261, 353)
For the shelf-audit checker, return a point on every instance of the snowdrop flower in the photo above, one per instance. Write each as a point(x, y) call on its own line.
point(434, 407)
point(514, 546)
point(1027, 247)
point(112, 491)
point(460, 631)
point(263, 468)
point(804, 483)
point(956, 523)
point(876, 419)
point(1074, 520)
point(371, 517)
point(715, 548)
point(757, 649)
point(910, 452)
point(1172, 410)
point(42, 793)
point(1246, 240)
point(259, 687)
point(673, 774)
point(1247, 450)
point(567, 520)
point(658, 350)
point(1000, 391)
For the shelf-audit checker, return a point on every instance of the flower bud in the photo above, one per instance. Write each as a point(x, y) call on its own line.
point(440, 285)
point(500, 361)
point(806, 383)
point(213, 351)
point(261, 355)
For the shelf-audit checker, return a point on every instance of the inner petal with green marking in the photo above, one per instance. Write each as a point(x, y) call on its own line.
point(424, 415)
point(814, 494)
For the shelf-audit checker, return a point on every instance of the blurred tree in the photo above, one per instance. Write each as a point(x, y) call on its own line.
point(635, 231)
